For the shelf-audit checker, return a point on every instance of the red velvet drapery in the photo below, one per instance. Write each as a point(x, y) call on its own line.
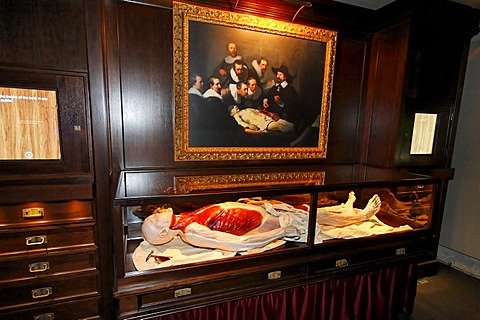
point(381, 294)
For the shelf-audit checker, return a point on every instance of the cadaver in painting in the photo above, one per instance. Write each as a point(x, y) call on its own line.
point(253, 89)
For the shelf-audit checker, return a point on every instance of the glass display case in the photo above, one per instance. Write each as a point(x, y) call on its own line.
point(187, 237)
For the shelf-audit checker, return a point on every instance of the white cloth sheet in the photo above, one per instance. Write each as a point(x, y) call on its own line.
point(178, 251)
point(357, 230)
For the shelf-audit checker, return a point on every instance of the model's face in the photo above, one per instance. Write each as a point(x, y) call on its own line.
point(238, 68)
point(263, 66)
point(216, 85)
point(280, 77)
point(156, 227)
point(232, 49)
point(198, 83)
point(252, 85)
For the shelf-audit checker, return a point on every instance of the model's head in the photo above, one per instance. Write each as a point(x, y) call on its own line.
point(156, 227)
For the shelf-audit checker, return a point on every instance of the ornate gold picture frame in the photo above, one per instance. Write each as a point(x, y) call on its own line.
point(249, 88)
point(189, 184)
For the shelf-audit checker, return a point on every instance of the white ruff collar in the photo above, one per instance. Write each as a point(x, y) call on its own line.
point(230, 59)
point(257, 69)
point(194, 91)
point(212, 93)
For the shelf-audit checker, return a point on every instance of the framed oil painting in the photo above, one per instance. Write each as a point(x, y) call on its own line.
point(249, 88)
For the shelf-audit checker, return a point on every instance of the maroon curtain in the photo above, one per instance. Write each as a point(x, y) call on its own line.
point(381, 294)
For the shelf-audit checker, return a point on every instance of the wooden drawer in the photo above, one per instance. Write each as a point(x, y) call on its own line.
point(46, 265)
point(41, 213)
point(228, 286)
point(406, 250)
point(52, 191)
point(74, 310)
point(42, 291)
point(46, 239)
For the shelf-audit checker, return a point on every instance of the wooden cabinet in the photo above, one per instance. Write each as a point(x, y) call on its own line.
point(49, 257)
point(405, 59)
point(417, 67)
point(56, 217)
point(399, 232)
point(48, 200)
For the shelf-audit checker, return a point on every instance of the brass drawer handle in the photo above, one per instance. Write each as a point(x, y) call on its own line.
point(183, 292)
point(36, 240)
point(44, 316)
point(38, 266)
point(33, 213)
point(341, 263)
point(41, 292)
point(274, 275)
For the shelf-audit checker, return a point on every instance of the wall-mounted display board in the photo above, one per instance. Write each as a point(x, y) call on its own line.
point(29, 124)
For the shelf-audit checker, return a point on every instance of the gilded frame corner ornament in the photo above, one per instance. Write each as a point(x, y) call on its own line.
point(184, 49)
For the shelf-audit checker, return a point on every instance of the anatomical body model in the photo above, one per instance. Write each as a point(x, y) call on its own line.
point(230, 226)
point(236, 226)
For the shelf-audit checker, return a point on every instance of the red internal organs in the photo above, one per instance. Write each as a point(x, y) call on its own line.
point(237, 221)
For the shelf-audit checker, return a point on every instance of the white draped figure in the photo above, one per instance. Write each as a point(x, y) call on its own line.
point(238, 226)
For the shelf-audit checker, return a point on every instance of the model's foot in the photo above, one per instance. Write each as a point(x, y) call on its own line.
point(373, 206)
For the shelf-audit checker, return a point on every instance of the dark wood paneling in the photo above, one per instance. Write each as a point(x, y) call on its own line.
point(432, 76)
point(435, 71)
point(101, 140)
point(43, 45)
point(385, 92)
point(47, 34)
point(145, 64)
point(147, 84)
point(323, 13)
point(346, 100)
point(364, 123)
point(436, 55)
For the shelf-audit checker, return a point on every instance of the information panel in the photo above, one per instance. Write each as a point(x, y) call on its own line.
point(29, 126)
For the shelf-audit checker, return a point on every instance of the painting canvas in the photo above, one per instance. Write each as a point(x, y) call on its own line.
point(249, 88)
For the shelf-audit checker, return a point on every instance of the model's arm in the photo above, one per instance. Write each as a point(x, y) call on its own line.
point(201, 236)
